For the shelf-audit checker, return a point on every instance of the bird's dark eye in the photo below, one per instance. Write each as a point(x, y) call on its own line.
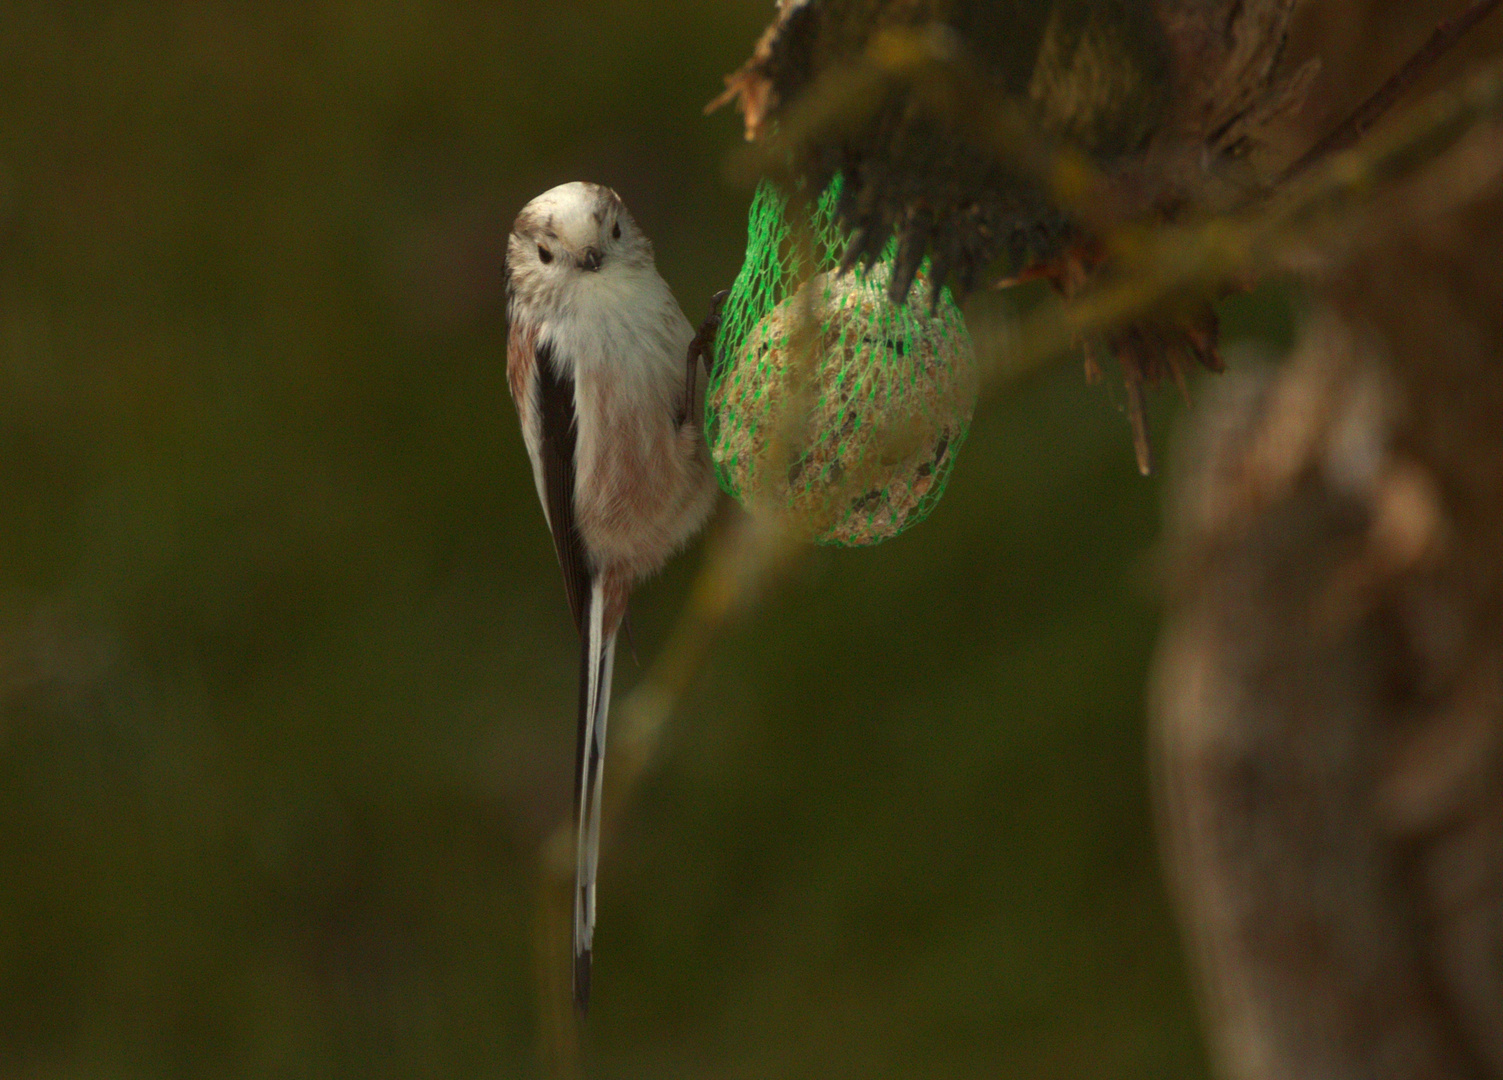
point(545, 254)
point(616, 231)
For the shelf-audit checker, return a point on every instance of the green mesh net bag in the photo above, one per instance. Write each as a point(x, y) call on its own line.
point(885, 391)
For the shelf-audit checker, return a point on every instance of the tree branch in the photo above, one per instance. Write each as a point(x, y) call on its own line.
point(1446, 35)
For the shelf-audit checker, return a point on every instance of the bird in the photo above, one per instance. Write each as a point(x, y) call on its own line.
point(603, 367)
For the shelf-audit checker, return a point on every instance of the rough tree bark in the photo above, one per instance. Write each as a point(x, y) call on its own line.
point(1328, 698)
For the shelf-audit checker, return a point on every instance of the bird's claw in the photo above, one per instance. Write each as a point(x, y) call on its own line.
point(702, 346)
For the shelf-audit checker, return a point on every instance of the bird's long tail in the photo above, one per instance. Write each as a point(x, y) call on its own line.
point(597, 659)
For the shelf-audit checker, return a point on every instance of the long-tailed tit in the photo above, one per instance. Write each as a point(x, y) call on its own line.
point(601, 367)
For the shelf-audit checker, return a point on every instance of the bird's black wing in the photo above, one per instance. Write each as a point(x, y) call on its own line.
point(555, 390)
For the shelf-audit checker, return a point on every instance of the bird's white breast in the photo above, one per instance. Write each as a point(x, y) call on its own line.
point(626, 323)
point(624, 340)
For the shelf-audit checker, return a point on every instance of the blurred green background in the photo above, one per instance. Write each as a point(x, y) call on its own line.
point(287, 676)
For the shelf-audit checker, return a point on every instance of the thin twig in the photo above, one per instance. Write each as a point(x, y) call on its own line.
point(1446, 35)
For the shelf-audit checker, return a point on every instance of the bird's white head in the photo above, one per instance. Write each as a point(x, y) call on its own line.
point(567, 235)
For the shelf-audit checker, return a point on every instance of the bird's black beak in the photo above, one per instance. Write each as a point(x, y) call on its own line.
point(591, 259)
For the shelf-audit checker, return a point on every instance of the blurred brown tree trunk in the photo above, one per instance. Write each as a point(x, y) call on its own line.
point(1328, 698)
